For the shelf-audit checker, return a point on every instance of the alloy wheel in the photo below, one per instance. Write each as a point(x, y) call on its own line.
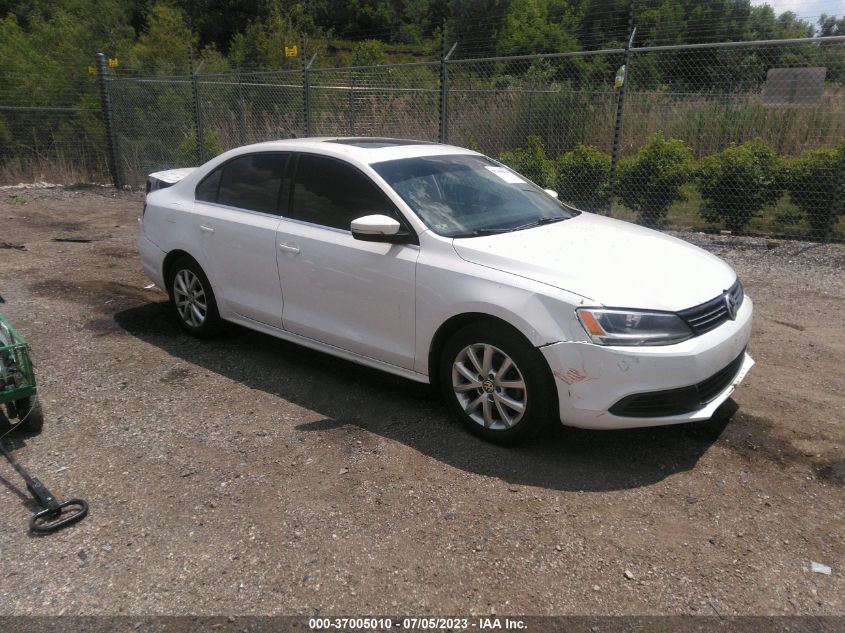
point(189, 297)
point(489, 386)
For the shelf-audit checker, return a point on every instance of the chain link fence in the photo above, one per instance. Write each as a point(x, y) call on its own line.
point(495, 104)
point(249, 107)
point(153, 125)
point(64, 144)
point(53, 132)
point(745, 137)
point(400, 100)
point(751, 135)
point(163, 122)
point(740, 137)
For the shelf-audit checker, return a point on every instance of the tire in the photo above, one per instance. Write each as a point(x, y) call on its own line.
point(29, 410)
point(511, 413)
point(192, 299)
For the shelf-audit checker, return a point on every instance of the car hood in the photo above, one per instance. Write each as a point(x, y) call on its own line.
point(607, 261)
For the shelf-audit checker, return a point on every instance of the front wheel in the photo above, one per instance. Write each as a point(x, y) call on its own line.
point(499, 386)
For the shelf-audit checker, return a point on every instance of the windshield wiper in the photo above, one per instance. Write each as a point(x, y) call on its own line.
point(541, 222)
point(531, 225)
point(482, 232)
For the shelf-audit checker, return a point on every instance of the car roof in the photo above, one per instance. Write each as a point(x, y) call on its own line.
point(365, 149)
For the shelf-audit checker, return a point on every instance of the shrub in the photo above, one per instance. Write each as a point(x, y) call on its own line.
point(811, 182)
point(738, 182)
point(583, 177)
point(531, 162)
point(369, 53)
point(651, 180)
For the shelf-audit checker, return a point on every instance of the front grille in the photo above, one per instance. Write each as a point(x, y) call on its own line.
point(711, 314)
point(658, 404)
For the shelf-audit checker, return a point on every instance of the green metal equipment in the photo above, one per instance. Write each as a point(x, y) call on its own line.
point(18, 393)
point(17, 381)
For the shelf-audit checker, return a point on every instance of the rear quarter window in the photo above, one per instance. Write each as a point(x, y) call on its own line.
point(207, 189)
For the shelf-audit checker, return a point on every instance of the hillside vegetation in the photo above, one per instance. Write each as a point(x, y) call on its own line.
point(46, 46)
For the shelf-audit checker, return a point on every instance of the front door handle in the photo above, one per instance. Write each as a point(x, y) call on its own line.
point(287, 248)
point(206, 229)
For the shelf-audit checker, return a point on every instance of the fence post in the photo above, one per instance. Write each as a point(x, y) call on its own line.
point(306, 88)
point(836, 209)
point(197, 110)
point(620, 109)
point(241, 109)
point(444, 93)
point(350, 106)
point(108, 121)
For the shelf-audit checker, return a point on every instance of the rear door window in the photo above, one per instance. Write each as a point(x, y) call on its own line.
point(253, 182)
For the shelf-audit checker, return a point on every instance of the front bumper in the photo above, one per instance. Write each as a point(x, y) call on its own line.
point(591, 378)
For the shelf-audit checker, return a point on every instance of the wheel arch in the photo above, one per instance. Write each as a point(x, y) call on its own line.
point(452, 325)
point(171, 258)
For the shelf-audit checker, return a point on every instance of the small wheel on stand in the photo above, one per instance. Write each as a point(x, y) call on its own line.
point(30, 417)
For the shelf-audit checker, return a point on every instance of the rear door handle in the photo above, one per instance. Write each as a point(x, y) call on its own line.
point(287, 248)
point(206, 229)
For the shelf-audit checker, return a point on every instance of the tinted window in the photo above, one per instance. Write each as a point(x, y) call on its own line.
point(332, 193)
point(207, 189)
point(253, 182)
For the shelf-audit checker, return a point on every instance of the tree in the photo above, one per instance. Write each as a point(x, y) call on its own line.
point(355, 19)
point(21, 79)
point(216, 22)
point(476, 23)
point(601, 22)
point(528, 28)
point(163, 46)
point(830, 25)
point(262, 43)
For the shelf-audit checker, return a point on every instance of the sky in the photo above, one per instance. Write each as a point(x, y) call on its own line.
point(806, 8)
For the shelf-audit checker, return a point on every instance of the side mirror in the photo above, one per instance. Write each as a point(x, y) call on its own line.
point(378, 228)
point(551, 192)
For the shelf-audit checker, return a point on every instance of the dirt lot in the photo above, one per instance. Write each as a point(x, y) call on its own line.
point(249, 476)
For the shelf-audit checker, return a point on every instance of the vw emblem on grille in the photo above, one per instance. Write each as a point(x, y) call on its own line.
point(729, 305)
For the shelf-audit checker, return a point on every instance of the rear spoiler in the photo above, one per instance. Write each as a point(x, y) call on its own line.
point(164, 179)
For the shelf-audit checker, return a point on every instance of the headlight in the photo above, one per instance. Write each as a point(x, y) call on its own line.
point(630, 327)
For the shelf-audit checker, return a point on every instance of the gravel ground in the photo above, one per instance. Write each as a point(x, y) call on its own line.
point(246, 475)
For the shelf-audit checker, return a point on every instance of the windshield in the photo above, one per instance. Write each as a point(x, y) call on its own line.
point(468, 195)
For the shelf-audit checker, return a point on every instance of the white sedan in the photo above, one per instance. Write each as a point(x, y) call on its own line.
point(441, 265)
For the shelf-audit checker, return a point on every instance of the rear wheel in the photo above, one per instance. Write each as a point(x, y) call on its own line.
point(30, 417)
point(193, 299)
point(498, 384)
